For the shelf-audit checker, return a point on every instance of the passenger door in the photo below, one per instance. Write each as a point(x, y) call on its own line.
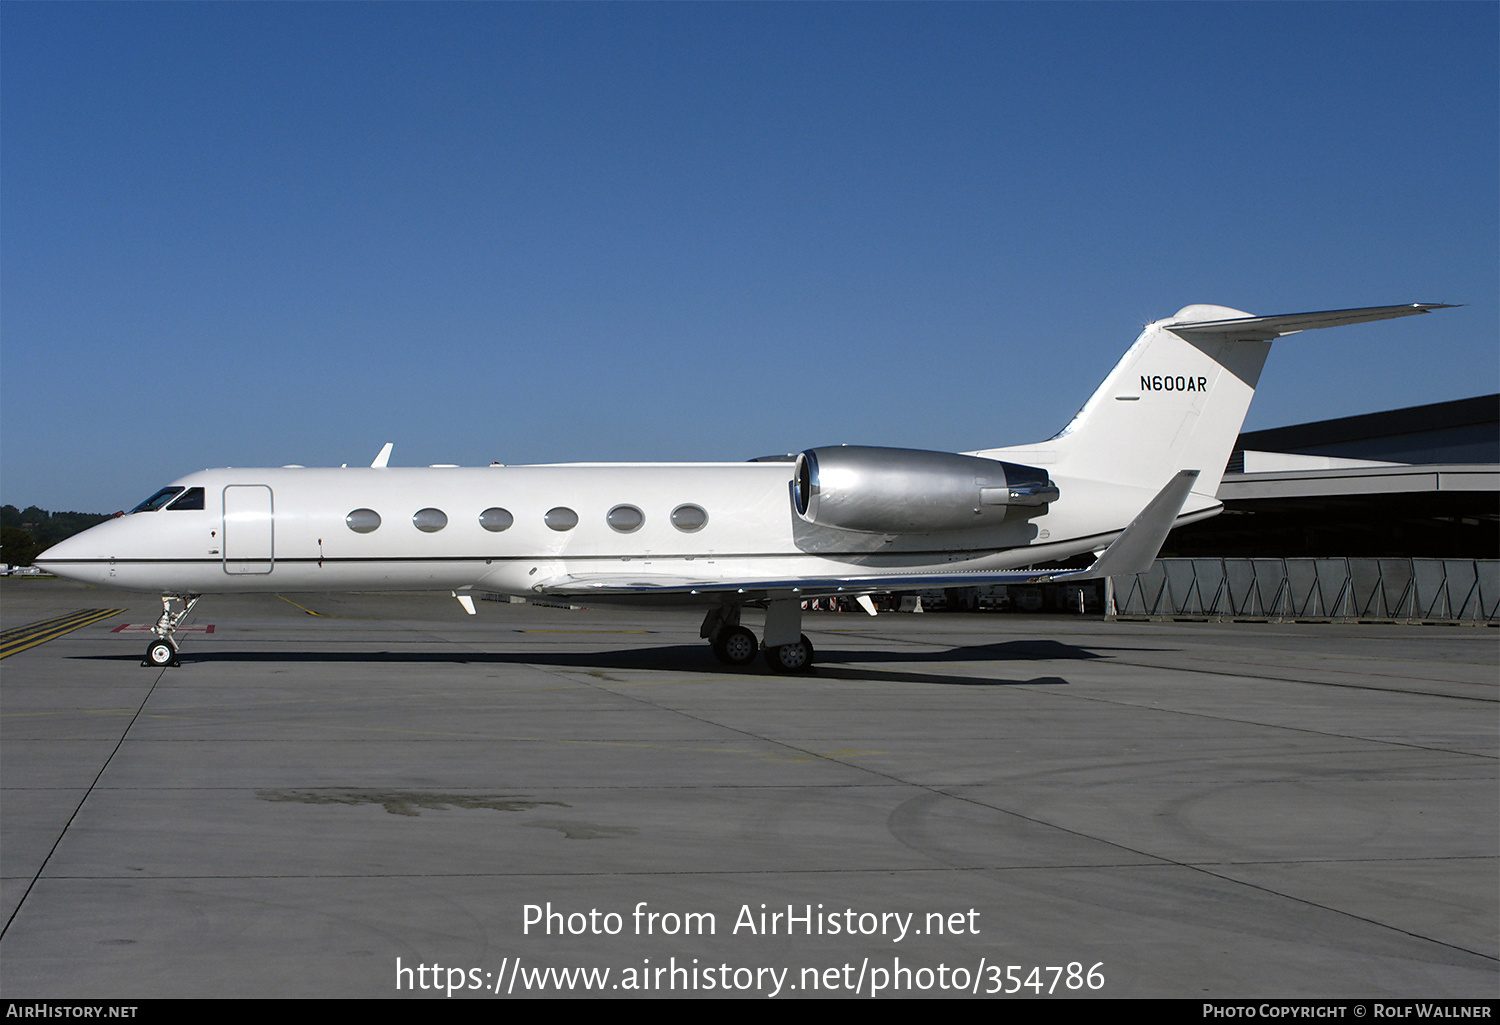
point(248, 529)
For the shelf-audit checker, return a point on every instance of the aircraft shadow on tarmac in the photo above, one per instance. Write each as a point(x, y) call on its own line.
point(690, 658)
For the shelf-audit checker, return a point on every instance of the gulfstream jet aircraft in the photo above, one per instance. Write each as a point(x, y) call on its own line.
point(1144, 454)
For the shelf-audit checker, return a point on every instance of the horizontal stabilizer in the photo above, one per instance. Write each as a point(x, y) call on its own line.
point(1267, 328)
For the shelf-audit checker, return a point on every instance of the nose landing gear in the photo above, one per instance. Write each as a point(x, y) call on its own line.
point(162, 651)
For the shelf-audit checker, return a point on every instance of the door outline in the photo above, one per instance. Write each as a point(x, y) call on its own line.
point(249, 529)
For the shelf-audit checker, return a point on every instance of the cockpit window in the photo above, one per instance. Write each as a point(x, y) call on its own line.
point(192, 498)
point(157, 500)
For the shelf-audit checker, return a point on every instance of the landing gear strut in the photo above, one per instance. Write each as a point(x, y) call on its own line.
point(162, 651)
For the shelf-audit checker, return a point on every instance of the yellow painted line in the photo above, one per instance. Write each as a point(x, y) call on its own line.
point(19, 638)
point(329, 615)
point(304, 608)
point(585, 631)
point(68, 712)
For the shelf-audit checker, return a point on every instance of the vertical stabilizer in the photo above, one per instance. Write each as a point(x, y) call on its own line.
point(1173, 402)
point(1178, 398)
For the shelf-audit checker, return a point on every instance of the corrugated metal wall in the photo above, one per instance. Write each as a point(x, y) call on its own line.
point(1462, 590)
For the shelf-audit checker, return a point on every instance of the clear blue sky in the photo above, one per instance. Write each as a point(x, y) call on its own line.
point(257, 234)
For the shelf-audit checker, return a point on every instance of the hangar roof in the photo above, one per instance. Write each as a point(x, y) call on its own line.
point(1460, 431)
point(1362, 480)
point(1423, 481)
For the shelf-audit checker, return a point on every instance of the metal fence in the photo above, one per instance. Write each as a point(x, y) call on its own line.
point(1455, 590)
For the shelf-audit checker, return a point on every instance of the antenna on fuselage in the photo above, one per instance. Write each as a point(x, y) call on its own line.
point(384, 457)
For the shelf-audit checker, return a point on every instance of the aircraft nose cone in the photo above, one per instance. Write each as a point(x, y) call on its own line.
point(74, 558)
point(58, 552)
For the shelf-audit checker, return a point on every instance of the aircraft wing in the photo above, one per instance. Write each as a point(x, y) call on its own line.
point(1132, 552)
point(645, 588)
point(1267, 328)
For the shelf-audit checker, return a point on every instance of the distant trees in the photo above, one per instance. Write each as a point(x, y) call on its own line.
point(17, 546)
point(26, 533)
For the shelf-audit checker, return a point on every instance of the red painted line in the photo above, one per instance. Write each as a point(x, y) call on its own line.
point(145, 628)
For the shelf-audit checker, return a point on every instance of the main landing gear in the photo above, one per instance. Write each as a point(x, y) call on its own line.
point(734, 645)
point(796, 657)
point(162, 651)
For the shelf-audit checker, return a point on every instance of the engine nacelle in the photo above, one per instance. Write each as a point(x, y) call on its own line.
point(909, 491)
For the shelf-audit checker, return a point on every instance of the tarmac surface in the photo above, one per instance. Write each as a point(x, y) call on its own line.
point(373, 796)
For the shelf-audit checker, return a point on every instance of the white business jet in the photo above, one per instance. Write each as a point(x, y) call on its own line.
point(1144, 454)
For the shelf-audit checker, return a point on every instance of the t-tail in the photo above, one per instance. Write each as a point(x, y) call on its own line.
point(1178, 398)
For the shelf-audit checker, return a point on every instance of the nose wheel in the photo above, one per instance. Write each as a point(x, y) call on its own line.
point(162, 651)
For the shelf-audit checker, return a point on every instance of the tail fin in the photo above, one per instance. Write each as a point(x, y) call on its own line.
point(1178, 397)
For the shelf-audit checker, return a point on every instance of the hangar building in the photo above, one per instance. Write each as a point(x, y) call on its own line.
point(1419, 482)
point(1391, 515)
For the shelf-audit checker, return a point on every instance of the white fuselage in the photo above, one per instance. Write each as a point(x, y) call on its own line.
point(289, 529)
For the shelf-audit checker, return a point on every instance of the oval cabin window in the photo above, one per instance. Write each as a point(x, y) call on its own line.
point(430, 521)
point(561, 518)
point(496, 519)
point(362, 521)
point(625, 518)
point(689, 518)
